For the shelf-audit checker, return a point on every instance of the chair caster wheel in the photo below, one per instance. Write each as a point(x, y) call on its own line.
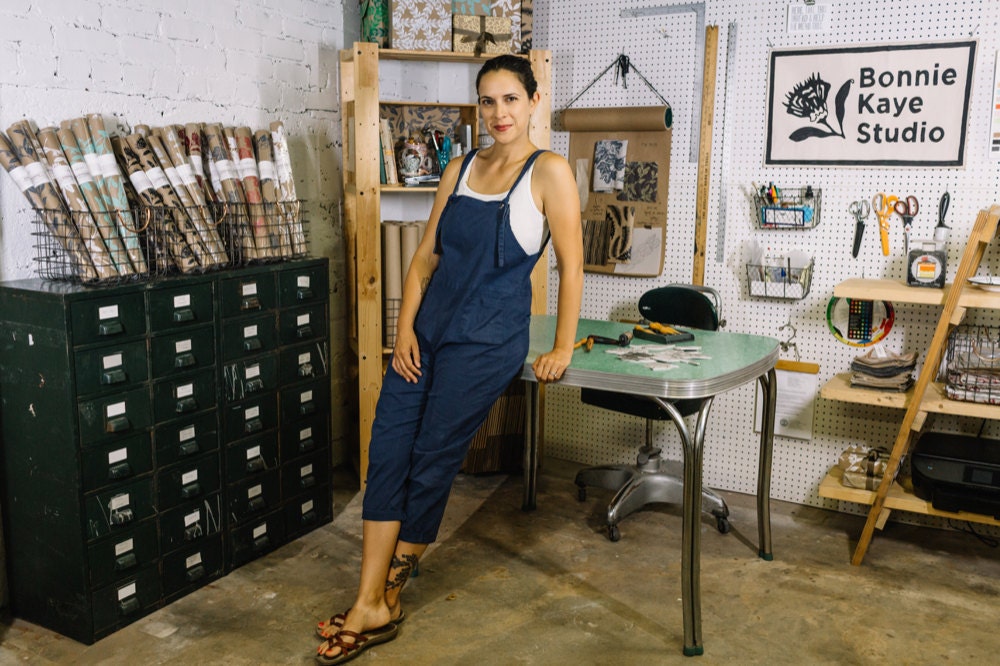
point(613, 533)
point(723, 525)
point(581, 493)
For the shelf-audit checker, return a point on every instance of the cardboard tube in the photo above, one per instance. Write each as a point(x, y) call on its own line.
point(627, 119)
point(410, 239)
point(392, 260)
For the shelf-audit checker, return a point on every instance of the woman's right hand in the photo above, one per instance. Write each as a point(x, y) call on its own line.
point(406, 355)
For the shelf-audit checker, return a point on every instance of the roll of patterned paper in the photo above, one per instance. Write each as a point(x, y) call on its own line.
point(32, 134)
point(283, 167)
point(200, 214)
point(167, 241)
point(49, 205)
point(115, 183)
point(140, 145)
point(269, 190)
point(95, 202)
point(192, 141)
point(232, 191)
point(80, 214)
point(81, 131)
point(141, 130)
point(266, 234)
point(409, 240)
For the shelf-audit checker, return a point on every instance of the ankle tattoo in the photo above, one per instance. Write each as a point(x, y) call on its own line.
point(403, 566)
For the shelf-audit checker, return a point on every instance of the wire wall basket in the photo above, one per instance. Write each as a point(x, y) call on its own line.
point(779, 278)
point(787, 208)
point(148, 242)
point(972, 364)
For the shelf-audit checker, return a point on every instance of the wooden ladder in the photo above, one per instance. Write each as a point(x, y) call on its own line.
point(952, 314)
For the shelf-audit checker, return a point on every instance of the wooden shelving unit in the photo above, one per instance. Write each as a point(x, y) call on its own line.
point(360, 106)
point(926, 396)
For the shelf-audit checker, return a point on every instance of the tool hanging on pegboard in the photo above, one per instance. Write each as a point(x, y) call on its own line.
point(720, 240)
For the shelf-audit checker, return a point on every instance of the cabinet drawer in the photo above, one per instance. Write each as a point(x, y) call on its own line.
point(111, 318)
point(302, 323)
point(184, 438)
point(256, 538)
point(305, 474)
point(114, 417)
point(251, 457)
point(127, 600)
point(304, 436)
point(305, 400)
point(192, 566)
point(190, 523)
point(191, 349)
point(253, 292)
point(307, 284)
point(117, 461)
point(176, 307)
point(183, 395)
point(248, 337)
point(111, 368)
point(309, 510)
point(250, 417)
point(123, 554)
point(118, 508)
point(303, 361)
point(244, 379)
point(254, 497)
point(187, 480)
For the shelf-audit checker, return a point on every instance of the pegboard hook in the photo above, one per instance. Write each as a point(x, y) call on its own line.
point(789, 344)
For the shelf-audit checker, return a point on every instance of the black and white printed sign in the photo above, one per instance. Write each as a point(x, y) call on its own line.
point(904, 105)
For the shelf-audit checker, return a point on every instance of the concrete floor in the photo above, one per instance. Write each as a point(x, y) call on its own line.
point(507, 587)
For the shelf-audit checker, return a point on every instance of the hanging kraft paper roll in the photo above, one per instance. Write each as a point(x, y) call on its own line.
point(613, 247)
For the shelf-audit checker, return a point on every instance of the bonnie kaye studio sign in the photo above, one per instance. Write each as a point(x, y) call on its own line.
point(890, 105)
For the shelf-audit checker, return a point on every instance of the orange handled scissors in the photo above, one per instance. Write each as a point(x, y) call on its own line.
point(882, 206)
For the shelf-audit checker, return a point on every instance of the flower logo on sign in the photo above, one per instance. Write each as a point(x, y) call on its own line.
point(808, 100)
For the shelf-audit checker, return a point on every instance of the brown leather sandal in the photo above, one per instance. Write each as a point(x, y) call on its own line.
point(355, 645)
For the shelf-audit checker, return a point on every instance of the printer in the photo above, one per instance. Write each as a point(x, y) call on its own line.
point(957, 472)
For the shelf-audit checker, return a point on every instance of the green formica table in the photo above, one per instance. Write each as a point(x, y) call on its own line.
point(735, 359)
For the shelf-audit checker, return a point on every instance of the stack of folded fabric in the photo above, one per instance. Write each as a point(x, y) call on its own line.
point(884, 370)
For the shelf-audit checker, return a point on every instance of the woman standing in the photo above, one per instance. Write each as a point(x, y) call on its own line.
point(462, 337)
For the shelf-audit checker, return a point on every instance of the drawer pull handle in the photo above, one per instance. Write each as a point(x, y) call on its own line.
point(119, 517)
point(309, 517)
point(250, 303)
point(182, 315)
point(116, 376)
point(126, 561)
point(253, 425)
point(307, 408)
point(196, 572)
point(307, 444)
point(117, 424)
point(303, 293)
point(185, 360)
point(307, 481)
point(256, 504)
point(256, 464)
point(193, 532)
point(306, 370)
point(252, 344)
point(129, 606)
point(110, 327)
point(120, 470)
point(261, 542)
point(304, 332)
point(255, 385)
point(191, 490)
point(189, 448)
point(185, 405)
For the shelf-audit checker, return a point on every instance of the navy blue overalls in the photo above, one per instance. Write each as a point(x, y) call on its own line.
point(472, 328)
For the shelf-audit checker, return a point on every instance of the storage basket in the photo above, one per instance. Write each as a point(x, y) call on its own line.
point(972, 364)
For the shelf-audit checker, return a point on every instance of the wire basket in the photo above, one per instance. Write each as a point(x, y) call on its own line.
point(778, 279)
point(789, 208)
point(972, 364)
point(262, 232)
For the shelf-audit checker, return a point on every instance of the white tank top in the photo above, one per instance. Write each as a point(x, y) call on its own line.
point(526, 221)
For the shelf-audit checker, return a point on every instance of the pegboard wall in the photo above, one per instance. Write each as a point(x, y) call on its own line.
point(664, 48)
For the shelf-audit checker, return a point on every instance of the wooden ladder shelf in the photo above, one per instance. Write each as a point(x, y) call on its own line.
point(952, 313)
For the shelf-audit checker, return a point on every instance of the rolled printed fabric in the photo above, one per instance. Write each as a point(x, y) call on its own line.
point(31, 134)
point(269, 190)
point(79, 213)
point(114, 184)
point(232, 191)
point(167, 241)
point(81, 131)
point(104, 219)
point(266, 234)
point(258, 225)
point(193, 143)
point(286, 181)
point(49, 205)
point(158, 178)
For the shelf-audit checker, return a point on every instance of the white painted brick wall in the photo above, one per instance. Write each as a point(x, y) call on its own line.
point(154, 62)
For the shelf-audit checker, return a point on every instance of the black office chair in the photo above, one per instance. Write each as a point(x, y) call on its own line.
point(653, 479)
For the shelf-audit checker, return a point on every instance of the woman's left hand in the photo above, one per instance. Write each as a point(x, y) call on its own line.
point(549, 367)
